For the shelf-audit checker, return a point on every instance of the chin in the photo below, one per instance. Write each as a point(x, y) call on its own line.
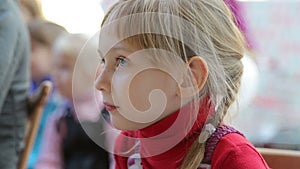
point(124, 127)
point(127, 125)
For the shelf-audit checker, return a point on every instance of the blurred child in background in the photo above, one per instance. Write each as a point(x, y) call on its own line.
point(42, 35)
point(67, 146)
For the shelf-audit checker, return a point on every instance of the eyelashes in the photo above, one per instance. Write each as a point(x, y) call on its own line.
point(102, 61)
point(119, 62)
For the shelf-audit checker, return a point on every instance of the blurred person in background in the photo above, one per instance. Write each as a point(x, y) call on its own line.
point(42, 35)
point(66, 145)
point(14, 82)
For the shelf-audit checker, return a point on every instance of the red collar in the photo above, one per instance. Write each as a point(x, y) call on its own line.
point(167, 142)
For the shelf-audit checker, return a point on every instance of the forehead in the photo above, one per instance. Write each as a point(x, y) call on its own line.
point(125, 30)
point(64, 58)
point(124, 46)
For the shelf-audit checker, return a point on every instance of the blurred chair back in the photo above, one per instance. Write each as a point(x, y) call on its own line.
point(36, 106)
point(281, 159)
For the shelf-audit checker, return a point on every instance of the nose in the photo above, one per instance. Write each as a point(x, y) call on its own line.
point(103, 80)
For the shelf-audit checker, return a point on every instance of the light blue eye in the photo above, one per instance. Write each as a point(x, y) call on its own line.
point(122, 61)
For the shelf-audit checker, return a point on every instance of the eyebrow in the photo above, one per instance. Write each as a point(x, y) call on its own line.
point(117, 48)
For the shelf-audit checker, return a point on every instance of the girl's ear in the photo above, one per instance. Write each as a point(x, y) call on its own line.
point(199, 73)
point(199, 70)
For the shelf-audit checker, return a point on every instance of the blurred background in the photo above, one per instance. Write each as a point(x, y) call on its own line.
point(270, 116)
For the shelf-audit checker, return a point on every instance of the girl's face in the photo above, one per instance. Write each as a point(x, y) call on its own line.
point(135, 91)
point(63, 73)
point(39, 61)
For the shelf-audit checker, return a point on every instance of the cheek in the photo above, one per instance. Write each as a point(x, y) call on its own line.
point(140, 89)
point(145, 98)
point(146, 82)
point(64, 80)
point(36, 61)
point(40, 56)
point(67, 79)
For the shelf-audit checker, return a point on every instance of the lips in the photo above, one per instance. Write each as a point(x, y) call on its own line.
point(110, 107)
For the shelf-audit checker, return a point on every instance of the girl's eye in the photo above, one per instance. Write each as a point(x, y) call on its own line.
point(121, 61)
point(102, 61)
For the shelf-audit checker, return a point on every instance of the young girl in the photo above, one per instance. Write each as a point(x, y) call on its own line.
point(171, 69)
point(42, 35)
point(66, 144)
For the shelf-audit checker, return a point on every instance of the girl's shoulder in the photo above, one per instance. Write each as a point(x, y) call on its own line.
point(235, 151)
point(217, 136)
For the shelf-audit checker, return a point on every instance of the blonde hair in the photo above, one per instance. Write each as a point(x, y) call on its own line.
point(70, 44)
point(31, 9)
point(82, 50)
point(202, 28)
point(45, 32)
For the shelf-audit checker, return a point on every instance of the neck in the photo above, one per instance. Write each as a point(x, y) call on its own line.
point(172, 137)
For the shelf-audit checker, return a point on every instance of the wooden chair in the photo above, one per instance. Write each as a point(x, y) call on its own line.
point(281, 159)
point(36, 106)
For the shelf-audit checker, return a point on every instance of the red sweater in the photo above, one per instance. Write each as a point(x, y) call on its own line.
point(236, 152)
point(232, 152)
